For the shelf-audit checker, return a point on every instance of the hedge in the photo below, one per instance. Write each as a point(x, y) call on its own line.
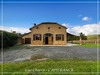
point(9, 39)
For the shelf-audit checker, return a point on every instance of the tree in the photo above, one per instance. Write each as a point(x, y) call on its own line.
point(83, 36)
point(9, 39)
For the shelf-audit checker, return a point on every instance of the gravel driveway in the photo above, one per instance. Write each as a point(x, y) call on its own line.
point(51, 52)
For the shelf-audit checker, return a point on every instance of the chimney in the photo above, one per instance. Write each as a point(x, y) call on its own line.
point(34, 24)
point(14, 32)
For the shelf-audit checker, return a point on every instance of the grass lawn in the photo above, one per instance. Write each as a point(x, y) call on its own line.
point(93, 37)
point(89, 45)
point(51, 66)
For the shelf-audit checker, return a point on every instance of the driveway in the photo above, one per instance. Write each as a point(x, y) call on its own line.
point(51, 52)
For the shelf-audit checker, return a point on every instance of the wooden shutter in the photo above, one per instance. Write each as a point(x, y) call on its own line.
point(56, 37)
point(62, 37)
point(33, 37)
point(40, 37)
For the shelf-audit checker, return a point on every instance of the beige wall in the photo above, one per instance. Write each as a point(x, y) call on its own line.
point(43, 29)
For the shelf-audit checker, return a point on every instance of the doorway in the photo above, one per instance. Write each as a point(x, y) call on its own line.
point(27, 40)
point(48, 39)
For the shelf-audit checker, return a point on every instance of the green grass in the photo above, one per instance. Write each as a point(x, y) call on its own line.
point(89, 37)
point(75, 43)
point(76, 64)
point(89, 45)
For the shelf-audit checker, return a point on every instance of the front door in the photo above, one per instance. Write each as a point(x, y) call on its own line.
point(50, 40)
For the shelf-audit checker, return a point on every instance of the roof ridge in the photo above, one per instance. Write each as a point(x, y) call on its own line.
point(48, 23)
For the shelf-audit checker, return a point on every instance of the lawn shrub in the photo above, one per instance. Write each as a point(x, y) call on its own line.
point(9, 39)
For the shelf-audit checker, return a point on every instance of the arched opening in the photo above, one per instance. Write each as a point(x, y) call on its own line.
point(48, 39)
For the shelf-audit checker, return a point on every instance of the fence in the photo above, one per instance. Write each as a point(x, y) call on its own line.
point(94, 41)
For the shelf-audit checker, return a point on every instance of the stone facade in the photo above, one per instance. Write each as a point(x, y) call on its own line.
point(26, 36)
point(47, 33)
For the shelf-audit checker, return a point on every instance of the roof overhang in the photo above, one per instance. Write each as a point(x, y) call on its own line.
point(48, 23)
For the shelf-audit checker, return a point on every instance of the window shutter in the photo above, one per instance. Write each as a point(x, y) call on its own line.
point(56, 37)
point(33, 37)
point(40, 37)
point(62, 37)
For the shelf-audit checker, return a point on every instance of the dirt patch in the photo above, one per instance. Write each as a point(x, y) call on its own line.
point(37, 56)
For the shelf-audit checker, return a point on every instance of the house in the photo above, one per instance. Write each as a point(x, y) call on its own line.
point(46, 33)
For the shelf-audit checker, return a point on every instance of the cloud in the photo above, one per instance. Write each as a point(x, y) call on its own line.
point(86, 18)
point(88, 29)
point(17, 29)
point(80, 15)
point(66, 25)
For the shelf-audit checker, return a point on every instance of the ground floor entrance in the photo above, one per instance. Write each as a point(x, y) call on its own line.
point(48, 39)
point(27, 40)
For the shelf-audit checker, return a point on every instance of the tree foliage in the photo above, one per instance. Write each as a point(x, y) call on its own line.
point(8, 39)
point(83, 36)
point(74, 37)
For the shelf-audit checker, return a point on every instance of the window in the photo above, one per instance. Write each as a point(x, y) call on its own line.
point(36, 37)
point(37, 27)
point(48, 27)
point(60, 37)
point(59, 27)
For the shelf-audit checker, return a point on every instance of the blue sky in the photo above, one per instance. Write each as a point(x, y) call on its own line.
point(26, 14)
point(49, 0)
point(69, 14)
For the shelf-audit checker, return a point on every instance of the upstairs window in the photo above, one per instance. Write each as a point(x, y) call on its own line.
point(37, 27)
point(48, 27)
point(59, 27)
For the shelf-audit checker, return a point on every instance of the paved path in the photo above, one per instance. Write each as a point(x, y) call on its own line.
point(51, 52)
point(70, 44)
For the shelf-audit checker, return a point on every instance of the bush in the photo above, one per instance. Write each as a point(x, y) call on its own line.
point(9, 39)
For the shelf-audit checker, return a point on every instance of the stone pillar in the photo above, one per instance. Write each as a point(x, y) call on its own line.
point(80, 41)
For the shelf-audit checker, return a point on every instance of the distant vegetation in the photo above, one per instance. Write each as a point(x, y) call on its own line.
point(89, 37)
point(71, 37)
point(89, 40)
point(83, 36)
point(9, 39)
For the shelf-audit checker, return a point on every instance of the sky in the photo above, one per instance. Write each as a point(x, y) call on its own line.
point(49, 0)
point(78, 17)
